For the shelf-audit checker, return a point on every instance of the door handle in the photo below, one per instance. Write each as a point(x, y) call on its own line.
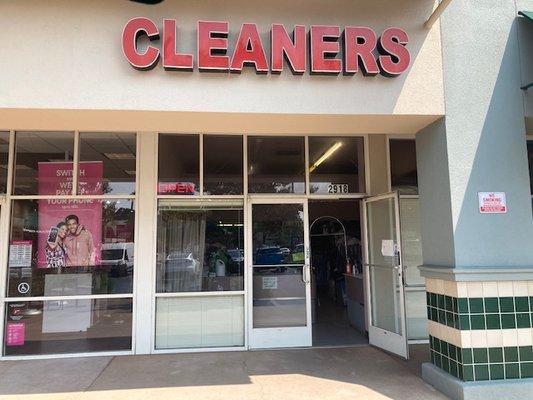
point(305, 274)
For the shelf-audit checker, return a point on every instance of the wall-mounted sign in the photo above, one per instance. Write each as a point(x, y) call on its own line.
point(331, 50)
point(492, 203)
point(20, 253)
point(338, 188)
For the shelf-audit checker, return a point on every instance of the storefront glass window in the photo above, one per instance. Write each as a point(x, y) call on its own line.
point(336, 165)
point(107, 163)
point(223, 168)
point(39, 156)
point(403, 166)
point(71, 247)
point(4, 155)
point(179, 164)
point(194, 322)
point(67, 326)
point(276, 164)
point(200, 247)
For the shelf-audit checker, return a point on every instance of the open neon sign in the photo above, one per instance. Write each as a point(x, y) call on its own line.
point(329, 50)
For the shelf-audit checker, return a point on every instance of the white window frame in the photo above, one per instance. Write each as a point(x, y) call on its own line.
point(407, 288)
point(5, 225)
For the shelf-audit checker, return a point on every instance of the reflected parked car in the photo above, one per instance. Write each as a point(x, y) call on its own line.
point(271, 255)
point(178, 261)
point(119, 256)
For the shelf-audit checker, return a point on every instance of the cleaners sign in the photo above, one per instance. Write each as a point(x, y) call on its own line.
point(330, 49)
point(492, 203)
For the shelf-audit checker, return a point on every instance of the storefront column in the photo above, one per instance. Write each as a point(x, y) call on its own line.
point(146, 227)
point(479, 267)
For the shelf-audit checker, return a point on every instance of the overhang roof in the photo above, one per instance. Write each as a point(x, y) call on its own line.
point(526, 14)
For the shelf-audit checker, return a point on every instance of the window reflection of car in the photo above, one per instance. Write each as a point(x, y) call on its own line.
point(119, 257)
point(271, 255)
point(178, 261)
point(298, 254)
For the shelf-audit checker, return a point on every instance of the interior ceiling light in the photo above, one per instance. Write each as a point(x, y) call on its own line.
point(130, 172)
point(325, 156)
point(120, 156)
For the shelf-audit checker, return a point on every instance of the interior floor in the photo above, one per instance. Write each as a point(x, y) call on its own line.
point(331, 326)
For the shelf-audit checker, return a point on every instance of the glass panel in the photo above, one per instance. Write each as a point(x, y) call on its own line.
point(403, 166)
point(278, 234)
point(179, 164)
point(223, 169)
point(384, 277)
point(4, 156)
point(67, 326)
point(107, 163)
point(279, 297)
point(530, 159)
point(42, 163)
point(336, 165)
point(276, 164)
point(411, 241)
point(416, 315)
point(71, 247)
point(213, 321)
point(200, 247)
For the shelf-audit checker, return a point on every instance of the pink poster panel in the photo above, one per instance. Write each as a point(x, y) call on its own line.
point(15, 333)
point(75, 241)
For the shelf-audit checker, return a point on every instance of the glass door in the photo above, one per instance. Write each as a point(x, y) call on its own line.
point(280, 312)
point(384, 274)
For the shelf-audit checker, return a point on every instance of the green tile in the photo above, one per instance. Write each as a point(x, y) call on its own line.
point(438, 360)
point(496, 371)
point(448, 303)
point(440, 301)
point(453, 368)
point(476, 306)
point(495, 355)
point(428, 298)
point(434, 314)
point(481, 372)
point(493, 321)
point(466, 355)
point(468, 373)
point(455, 306)
point(433, 300)
point(477, 321)
point(456, 321)
point(511, 354)
point(442, 317)
point(429, 313)
point(437, 345)
point(508, 321)
point(460, 373)
point(464, 322)
point(526, 353)
point(521, 304)
point(446, 364)
point(462, 304)
point(531, 303)
point(480, 356)
point(459, 355)
point(522, 320)
point(492, 305)
point(526, 370)
point(452, 351)
point(512, 371)
point(506, 304)
point(449, 319)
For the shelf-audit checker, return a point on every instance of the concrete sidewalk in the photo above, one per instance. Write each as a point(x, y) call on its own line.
point(335, 373)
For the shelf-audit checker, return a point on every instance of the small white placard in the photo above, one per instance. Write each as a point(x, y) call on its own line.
point(492, 203)
point(270, 282)
point(387, 248)
point(20, 253)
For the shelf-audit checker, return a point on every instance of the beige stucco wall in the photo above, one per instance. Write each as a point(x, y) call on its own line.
point(67, 55)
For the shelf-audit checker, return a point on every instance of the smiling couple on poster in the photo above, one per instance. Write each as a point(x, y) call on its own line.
point(69, 230)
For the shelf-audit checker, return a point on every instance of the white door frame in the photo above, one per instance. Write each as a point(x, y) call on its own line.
point(278, 337)
point(386, 340)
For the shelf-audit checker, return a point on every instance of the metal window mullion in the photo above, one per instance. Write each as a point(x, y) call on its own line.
point(10, 164)
point(70, 197)
point(75, 163)
point(74, 297)
point(307, 166)
point(201, 294)
point(245, 164)
point(201, 164)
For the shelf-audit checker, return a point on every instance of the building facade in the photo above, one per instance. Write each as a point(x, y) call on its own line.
point(192, 176)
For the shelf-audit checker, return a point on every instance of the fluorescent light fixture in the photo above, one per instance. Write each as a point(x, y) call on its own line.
point(130, 172)
point(325, 156)
point(120, 156)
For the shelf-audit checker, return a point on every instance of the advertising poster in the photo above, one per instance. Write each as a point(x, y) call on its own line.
point(70, 231)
